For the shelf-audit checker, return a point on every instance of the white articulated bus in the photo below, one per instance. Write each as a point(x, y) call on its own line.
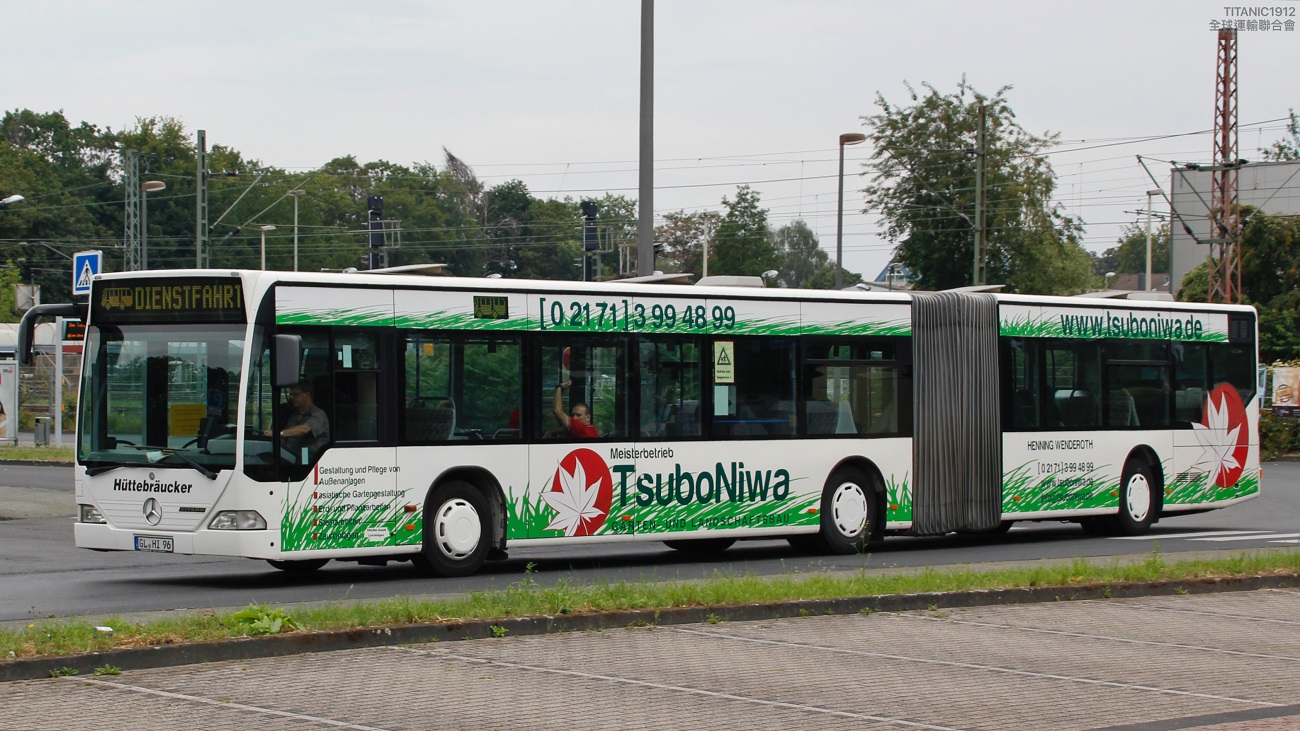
point(716, 414)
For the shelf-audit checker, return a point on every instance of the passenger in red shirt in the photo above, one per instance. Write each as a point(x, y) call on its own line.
point(579, 423)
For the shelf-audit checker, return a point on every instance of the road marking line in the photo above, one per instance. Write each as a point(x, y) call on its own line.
point(1158, 536)
point(1265, 537)
point(225, 704)
point(977, 666)
point(676, 688)
point(1199, 612)
point(1124, 640)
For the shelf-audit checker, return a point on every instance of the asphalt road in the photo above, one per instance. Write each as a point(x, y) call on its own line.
point(42, 574)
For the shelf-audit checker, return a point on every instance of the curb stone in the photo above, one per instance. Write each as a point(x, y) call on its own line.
point(247, 648)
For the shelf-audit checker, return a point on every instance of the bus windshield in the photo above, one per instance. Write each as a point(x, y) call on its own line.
point(160, 394)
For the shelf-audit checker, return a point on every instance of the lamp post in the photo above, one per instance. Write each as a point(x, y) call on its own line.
point(10, 199)
point(265, 228)
point(296, 193)
point(146, 188)
point(848, 138)
point(1149, 194)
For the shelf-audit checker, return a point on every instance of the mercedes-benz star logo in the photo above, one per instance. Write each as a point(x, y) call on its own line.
point(152, 511)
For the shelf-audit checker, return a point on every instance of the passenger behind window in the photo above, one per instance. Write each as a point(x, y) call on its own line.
point(574, 424)
point(1123, 412)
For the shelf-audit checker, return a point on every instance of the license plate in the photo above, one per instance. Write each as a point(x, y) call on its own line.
point(157, 544)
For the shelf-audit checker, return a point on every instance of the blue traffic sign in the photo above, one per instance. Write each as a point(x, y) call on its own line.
point(85, 265)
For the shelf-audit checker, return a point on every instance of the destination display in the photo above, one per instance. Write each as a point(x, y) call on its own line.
point(169, 299)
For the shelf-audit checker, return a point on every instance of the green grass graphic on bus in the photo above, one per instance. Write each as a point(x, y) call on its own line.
point(351, 316)
point(443, 320)
point(1128, 325)
point(336, 522)
point(1197, 488)
point(1022, 492)
point(898, 495)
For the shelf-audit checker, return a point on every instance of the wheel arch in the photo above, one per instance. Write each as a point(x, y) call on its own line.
point(487, 484)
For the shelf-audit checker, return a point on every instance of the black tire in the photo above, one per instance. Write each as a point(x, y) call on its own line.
point(701, 545)
point(457, 531)
point(848, 513)
point(1001, 528)
point(1139, 496)
point(299, 566)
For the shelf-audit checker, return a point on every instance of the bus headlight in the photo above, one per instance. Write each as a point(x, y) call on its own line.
point(238, 520)
point(90, 514)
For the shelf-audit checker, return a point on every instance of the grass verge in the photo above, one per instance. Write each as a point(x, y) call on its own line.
point(46, 454)
point(527, 597)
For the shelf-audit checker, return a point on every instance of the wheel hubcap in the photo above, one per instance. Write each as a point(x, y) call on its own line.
point(849, 509)
point(457, 528)
point(1139, 497)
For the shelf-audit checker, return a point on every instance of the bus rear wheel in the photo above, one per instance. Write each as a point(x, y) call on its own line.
point(299, 566)
point(1139, 496)
point(457, 530)
point(701, 545)
point(848, 512)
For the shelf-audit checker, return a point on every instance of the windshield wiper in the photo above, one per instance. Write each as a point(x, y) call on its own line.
point(157, 454)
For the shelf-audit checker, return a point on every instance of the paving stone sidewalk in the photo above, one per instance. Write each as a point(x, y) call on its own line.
point(1223, 661)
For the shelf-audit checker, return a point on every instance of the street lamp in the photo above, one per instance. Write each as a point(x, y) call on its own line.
point(296, 193)
point(1149, 194)
point(848, 138)
point(146, 188)
point(10, 199)
point(265, 228)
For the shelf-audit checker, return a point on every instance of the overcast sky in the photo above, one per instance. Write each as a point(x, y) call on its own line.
point(746, 92)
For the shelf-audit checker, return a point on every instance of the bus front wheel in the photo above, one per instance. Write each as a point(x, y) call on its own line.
point(457, 531)
point(848, 512)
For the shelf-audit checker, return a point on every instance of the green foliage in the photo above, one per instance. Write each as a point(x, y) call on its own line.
point(64, 672)
point(499, 631)
point(1129, 256)
point(803, 263)
point(925, 187)
point(1270, 280)
point(108, 670)
point(683, 236)
point(1287, 148)
point(258, 619)
point(743, 243)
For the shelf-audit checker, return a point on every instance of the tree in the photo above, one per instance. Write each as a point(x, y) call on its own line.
point(803, 264)
point(683, 236)
point(743, 242)
point(1129, 255)
point(1287, 148)
point(925, 162)
point(1270, 280)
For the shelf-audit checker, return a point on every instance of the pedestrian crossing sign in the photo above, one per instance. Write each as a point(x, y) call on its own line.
point(85, 265)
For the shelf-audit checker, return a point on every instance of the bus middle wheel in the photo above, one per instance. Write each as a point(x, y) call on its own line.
point(457, 531)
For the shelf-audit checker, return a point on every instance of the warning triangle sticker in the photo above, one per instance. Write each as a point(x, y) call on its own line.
point(83, 280)
point(722, 358)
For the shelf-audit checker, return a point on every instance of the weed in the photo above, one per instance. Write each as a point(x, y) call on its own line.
point(259, 619)
point(499, 631)
point(1181, 590)
point(108, 670)
point(63, 672)
point(713, 619)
